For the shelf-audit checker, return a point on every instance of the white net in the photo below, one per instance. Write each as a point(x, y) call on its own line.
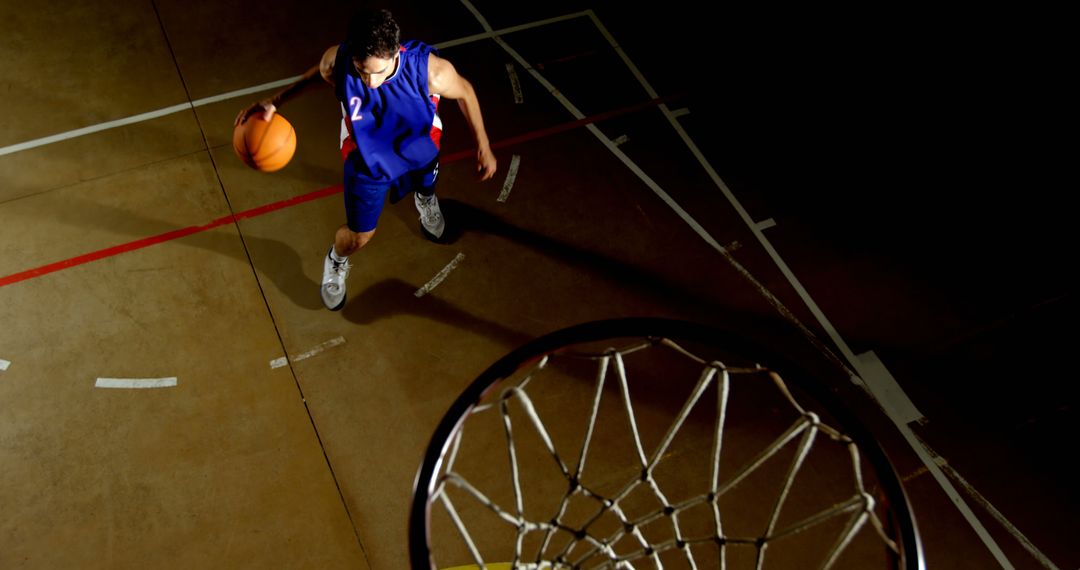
point(650, 456)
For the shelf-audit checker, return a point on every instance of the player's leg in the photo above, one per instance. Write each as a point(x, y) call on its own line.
point(423, 186)
point(363, 205)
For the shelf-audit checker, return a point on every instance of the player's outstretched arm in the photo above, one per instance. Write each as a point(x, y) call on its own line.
point(444, 80)
point(324, 70)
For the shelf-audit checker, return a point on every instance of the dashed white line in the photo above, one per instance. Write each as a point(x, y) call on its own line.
point(511, 175)
point(439, 278)
point(284, 360)
point(135, 383)
point(515, 83)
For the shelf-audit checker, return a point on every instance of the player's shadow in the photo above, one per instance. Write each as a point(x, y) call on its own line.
point(272, 258)
point(677, 299)
point(463, 218)
point(391, 297)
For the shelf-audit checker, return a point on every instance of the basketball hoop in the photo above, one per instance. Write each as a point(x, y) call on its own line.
point(653, 443)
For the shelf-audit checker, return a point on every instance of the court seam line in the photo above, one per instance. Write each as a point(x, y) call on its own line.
point(117, 172)
point(258, 283)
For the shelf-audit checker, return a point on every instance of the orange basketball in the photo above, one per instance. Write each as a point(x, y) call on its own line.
point(265, 146)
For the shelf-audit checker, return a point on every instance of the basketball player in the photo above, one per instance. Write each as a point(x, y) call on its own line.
point(389, 93)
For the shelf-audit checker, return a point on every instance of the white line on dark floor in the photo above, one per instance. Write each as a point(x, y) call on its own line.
point(515, 83)
point(141, 117)
point(439, 278)
point(135, 383)
point(511, 176)
point(284, 360)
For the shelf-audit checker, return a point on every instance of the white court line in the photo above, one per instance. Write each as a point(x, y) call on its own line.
point(887, 391)
point(4, 364)
point(766, 224)
point(135, 383)
point(439, 278)
point(1027, 544)
point(248, 91)
point(511, 176)
point(622, 139)
point(284, 360)
point(143, 116)
point(680, 112)
point(515, 83)
point(593, 129)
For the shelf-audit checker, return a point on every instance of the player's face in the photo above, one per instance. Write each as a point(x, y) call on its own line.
point(375, 70)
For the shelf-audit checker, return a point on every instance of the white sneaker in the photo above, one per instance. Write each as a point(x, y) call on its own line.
point(333, 282)
point(430, 215)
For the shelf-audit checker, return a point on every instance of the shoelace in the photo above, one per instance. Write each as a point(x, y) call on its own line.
point(431, 215)
point(340, 267)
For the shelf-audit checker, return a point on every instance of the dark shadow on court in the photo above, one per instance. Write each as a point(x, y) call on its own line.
point(462, 218)
point(273, 258)
point(393, 296)
point(752, 316)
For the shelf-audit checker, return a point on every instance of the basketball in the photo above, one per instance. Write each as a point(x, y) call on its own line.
point(265, 146)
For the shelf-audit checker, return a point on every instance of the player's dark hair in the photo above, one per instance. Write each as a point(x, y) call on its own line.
point(373, 33)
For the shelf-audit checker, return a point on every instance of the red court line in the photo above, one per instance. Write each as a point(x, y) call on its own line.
point(302, 198)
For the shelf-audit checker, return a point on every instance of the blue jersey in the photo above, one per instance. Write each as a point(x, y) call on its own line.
point(394, 128)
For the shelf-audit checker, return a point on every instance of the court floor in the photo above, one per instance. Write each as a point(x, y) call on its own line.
point(175, 395)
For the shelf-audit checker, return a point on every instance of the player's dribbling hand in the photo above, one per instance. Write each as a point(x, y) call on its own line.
point(266, 107)
point(485, 164)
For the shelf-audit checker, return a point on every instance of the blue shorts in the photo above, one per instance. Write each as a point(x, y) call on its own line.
point(364, 200)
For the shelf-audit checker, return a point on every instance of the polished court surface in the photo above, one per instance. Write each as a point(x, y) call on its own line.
point(174, 395)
